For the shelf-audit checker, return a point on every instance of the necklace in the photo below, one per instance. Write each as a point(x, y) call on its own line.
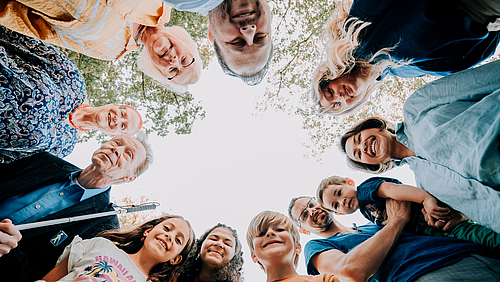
point(70, 117)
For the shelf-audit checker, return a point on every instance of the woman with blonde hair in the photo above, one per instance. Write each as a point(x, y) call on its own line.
point(108, 30)
point(366, 40)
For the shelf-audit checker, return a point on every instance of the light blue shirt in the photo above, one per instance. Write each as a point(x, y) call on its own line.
point(44, 201)
point(453, 126)
point(200, 6)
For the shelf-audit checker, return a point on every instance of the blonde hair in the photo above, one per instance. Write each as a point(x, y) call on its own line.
point(332, 180)
point(260, 224)
point(146, 64)
point(341, 38)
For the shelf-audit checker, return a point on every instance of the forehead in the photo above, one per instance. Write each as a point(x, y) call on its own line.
point(349, 144)
point(222, 233)
point(299, 206)
point(179, 224)
point(133, 118)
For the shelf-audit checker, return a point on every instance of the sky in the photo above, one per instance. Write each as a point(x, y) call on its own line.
point(236, 163)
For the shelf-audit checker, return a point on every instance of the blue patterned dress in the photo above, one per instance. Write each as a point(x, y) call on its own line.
point(39, 86)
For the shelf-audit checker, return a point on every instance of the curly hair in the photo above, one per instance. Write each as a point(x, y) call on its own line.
point(371, 122)
point(132, 241)
point(230, 272)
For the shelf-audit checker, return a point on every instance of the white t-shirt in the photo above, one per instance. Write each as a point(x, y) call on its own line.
point(98, 259)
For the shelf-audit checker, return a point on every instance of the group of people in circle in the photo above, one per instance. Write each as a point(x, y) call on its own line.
point(449, 138)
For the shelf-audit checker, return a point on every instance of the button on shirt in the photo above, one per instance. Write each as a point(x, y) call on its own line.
point(44, 201)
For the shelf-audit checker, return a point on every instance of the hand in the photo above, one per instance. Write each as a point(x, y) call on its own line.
point(9, 236)
point(445, 225)
point(433, 209)
point(397, 211)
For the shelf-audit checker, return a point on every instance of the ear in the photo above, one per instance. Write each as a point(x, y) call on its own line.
point(129, 178)
point(298, 249)
point(303, 231)
point(176, 260)
point(254, 258)
point(210, 36)
point(146, 232)
point(349, 181)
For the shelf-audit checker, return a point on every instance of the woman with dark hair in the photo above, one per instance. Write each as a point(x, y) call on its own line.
point(43, 101)
point(449, 138)
point(153, 251)
point(217, 257)
point(403, 38)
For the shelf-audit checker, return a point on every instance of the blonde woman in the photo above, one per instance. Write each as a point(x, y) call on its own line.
point(108, 30)
point(366, 40)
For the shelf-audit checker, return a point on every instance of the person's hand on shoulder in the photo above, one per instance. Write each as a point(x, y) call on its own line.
point(9, 236)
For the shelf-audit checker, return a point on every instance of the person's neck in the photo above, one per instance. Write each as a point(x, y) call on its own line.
point(206, 272)
point(335, 227)
point(144, 263)
point(90, 178)
point(400, 151)
point(280, 271)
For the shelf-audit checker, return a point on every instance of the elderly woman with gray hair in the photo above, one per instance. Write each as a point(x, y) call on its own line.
point(108, 30)
point(450, 138)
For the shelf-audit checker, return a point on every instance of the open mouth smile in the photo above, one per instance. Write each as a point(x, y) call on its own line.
point(271, 242)
point(162, 243)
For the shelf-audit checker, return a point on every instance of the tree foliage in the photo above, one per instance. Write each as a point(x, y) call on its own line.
point(130, 220)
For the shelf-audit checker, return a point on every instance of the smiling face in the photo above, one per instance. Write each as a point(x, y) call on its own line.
point(341, 199)
point(273, 245)
point(174, 58)
point(342, 93)
point(311, 216)
point(119, 158)
point(242, 30)
point(370, 146)
point(166, 240)
point(218, 248)
point(117, 120)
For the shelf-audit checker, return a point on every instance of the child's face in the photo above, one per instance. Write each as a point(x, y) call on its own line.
point(273, 245)
point(167, 240)
point(218, 248)
point(341, 198)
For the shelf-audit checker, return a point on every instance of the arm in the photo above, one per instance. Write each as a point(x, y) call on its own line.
point(57, 272)
point(9, 236)
point(409, 193)
point(364, 260)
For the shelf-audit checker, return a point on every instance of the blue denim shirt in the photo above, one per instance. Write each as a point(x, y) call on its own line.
point(452, 124)
point(200, 6)
point(30, 207)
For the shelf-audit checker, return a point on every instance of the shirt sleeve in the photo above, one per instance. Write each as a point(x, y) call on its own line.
point(368, 189)
point(314, 247)
point(78, 249)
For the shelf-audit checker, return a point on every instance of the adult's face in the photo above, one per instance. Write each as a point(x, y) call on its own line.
point(119, 158)
point(116, 120)
point(218, 248)
point(342, 93)
point(242, 30)
point(370, 146)
point(311, 215)
point(174, 58)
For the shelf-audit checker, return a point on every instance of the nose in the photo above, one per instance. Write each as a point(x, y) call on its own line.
point(270, 232)
point(344, 201)
point(248, 32)
point(117, 150)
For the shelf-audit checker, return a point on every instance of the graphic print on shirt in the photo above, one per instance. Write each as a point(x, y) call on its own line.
point(105, 269)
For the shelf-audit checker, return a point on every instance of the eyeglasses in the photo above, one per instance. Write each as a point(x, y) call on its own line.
point(304, 214)
point(185, 61)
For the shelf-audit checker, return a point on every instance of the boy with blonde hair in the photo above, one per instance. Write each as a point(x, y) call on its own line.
point(340, 195)
point(274, 244)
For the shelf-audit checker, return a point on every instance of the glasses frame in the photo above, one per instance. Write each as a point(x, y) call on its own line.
point(305, 209)
point(178, 71)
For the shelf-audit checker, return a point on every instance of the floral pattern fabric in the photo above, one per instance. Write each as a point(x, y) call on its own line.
point(39, 86)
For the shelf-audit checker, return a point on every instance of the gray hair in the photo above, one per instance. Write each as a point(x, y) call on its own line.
point(251, 80)
point(143, 138)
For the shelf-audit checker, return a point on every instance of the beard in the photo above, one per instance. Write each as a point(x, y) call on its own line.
point(327, 223)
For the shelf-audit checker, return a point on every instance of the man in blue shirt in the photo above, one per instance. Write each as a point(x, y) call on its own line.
point(376, 253)
point(44, 187)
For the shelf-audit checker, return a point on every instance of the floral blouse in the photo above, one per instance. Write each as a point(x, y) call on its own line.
point(39, 86)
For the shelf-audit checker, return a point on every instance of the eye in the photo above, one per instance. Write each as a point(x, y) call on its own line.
point(228, 244)
point(280, 229)
point(129, 154)
point(262, 233)
point(172, 70)
point(166, 228)
point(303, 216)
point(335, 206)
point(259, 39)
point(359, 154)
point(339, 192)
point(238, 43)
point(337, 105)
point(183, 60)
point(116, 142)
point(178, 241)
point(123, 127)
